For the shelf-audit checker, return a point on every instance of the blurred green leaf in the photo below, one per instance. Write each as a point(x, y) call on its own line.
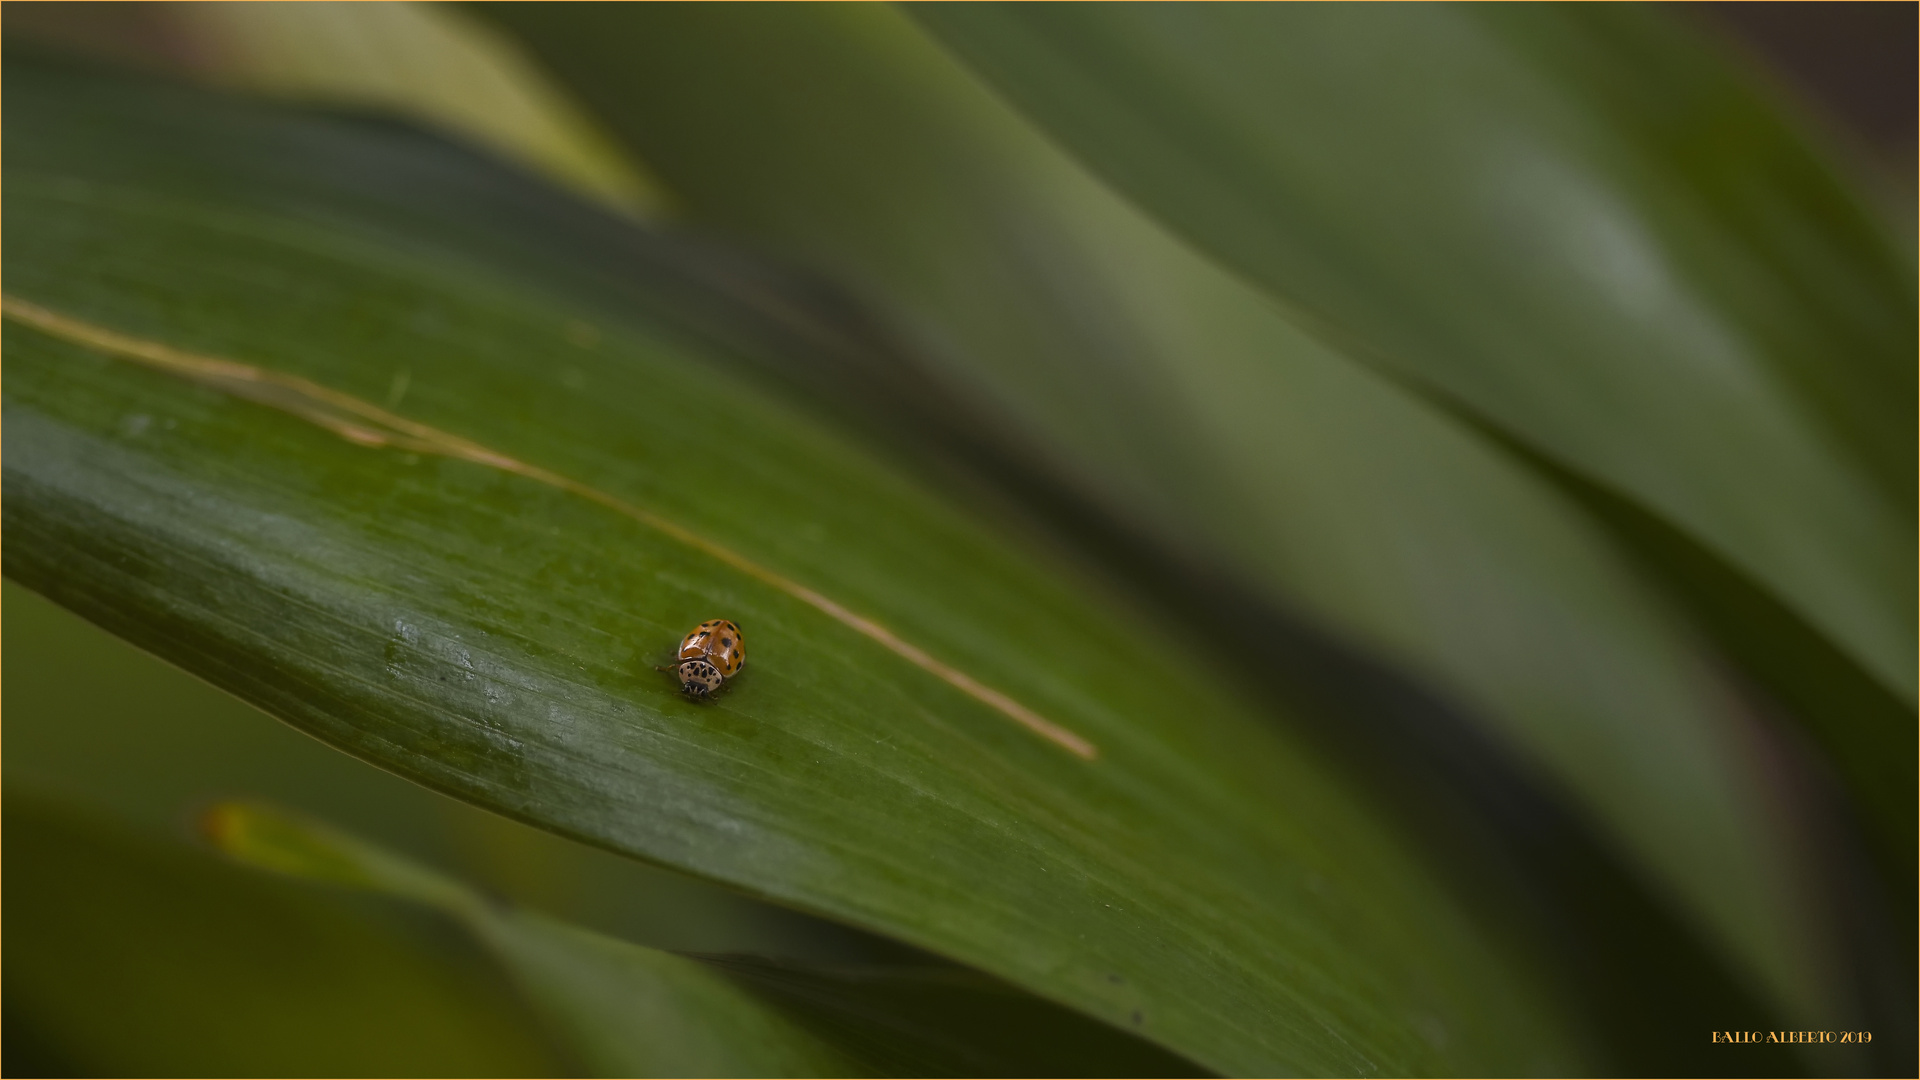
point(132, 957)
point(1575, 226)
point(1177, 396)
point(626, 1010)
point(635, 1011)
point(426, 61)
point(470, 583)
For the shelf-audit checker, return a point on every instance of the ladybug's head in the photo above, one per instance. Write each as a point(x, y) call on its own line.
point(698, 678)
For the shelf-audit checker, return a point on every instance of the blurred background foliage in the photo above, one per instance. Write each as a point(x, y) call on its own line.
point(1652, 719)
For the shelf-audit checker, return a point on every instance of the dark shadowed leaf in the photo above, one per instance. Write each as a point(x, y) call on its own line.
point(626, 1010)
point(630, 1010)
point(145, 958)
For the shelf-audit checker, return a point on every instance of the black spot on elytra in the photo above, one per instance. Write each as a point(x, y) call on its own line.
point(726, 643)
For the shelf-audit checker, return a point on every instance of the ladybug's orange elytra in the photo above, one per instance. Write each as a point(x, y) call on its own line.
point(709, 655)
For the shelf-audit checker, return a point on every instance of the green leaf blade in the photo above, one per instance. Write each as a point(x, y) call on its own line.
point(492, 633)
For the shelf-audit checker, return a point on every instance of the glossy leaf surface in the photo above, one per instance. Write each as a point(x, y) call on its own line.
point(316, 410)
point(106, 725)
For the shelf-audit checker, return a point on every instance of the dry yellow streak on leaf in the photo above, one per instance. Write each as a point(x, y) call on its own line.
point(367, 424)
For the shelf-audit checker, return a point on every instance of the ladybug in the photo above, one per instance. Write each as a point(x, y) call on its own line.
point(710, 654)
